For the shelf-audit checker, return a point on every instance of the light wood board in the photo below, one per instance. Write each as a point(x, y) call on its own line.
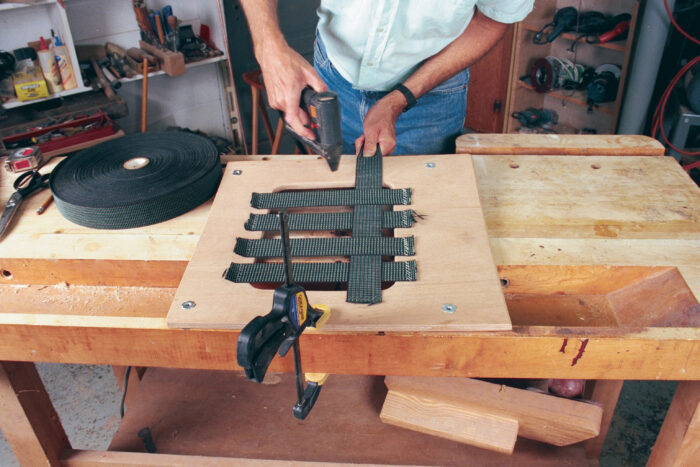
point(560, 145)
point(446, 419)
point(542, 417)
point(454, 261)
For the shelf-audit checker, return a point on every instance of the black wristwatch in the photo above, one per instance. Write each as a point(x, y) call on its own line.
point(410, 98)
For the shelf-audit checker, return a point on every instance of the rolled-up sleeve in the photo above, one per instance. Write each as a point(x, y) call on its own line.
point(505, 11)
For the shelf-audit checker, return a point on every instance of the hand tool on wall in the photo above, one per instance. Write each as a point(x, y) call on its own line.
point(25, 185)
point(279, 330)
point(323, 109)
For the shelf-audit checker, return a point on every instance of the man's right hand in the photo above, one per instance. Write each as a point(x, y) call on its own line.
point(286, 74)
point(284, 71)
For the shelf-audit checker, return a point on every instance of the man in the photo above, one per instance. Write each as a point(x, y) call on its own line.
point(400, 67)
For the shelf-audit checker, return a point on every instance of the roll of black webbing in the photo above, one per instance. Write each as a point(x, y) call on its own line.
point(136, 180)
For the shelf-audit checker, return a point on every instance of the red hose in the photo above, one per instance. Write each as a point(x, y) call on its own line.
point(658, 117)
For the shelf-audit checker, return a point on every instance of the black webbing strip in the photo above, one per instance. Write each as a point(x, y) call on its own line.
point(364, 277)
point(315, 272)
point(297, 199)
point(325, 221)
point(306, 247)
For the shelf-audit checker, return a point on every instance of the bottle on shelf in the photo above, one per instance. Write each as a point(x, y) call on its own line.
point(47, 59)
point(65, 66)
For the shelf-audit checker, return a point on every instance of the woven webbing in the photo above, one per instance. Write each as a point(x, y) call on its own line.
point(298, 199)
point(315, 272)
point(325, 221)
point(306, 247)
point(365, 275)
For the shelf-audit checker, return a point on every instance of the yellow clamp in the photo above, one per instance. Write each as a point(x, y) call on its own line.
point(319, 378)
point(326, 310)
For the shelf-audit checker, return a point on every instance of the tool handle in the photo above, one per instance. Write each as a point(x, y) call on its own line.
point(159, 28)
point(106, 88)
point(323, 109)
point(258, 343)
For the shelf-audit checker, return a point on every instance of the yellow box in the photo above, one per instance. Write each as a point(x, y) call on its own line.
point(30, 85)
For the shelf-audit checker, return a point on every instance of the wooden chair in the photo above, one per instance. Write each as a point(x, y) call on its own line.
point(254, 80)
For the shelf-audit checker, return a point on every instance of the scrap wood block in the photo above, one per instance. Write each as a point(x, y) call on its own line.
point(540, 417)
point(448, 420)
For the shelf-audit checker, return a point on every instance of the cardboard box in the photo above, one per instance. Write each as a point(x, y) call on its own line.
point(30, 85)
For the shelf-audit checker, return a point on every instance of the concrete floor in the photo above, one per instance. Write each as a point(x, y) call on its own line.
point(87, 401)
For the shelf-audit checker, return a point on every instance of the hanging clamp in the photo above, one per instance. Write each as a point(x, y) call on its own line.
point(279, 330)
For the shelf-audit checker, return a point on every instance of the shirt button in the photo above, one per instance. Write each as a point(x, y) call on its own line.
point(370, 63)
point(380, 29)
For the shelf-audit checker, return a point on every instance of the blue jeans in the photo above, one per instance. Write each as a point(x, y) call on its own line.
point(428, 128)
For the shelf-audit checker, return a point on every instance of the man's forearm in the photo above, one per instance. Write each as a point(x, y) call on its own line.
point(264, 24)
point(475, 42)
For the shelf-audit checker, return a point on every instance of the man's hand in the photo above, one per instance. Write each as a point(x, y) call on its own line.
point(379, 126)
point(284, 71)
point(286, 74)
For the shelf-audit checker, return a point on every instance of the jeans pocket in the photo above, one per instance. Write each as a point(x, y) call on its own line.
point(320, 57)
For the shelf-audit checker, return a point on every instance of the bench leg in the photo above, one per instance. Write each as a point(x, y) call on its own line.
point(27, 418)
point(607, 392)
point(678, 442)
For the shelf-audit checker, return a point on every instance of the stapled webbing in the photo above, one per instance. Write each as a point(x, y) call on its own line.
point(325, 221)
point(300, 199)
point(365, 275)
point(308, 247)
point(315, 272)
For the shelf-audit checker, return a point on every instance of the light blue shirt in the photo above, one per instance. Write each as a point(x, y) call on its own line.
point(376, 44)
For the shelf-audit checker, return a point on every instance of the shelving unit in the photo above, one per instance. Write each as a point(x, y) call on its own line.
point(204, 98)
point(574, 113)
point(21, 23)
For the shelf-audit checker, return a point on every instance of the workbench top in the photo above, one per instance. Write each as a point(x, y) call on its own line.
point(598, 229)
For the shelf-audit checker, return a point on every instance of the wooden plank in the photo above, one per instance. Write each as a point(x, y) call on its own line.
point(542, 417)
point(454, 264)
point(555, 145)
point(605, 198)
point(199, 413)
point(449, 420)
point(51, 237)
point(606, 393)
point(27, 419)
point(678, 443)
point(527, 352)
point(85, 458)
point(128, 273)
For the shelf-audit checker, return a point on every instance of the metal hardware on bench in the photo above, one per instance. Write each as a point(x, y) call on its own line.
point(396, 271)
point(326, 221)
point(101, 187)
point(309, 247)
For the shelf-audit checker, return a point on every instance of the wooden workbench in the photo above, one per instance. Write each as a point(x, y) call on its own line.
point(600, 252)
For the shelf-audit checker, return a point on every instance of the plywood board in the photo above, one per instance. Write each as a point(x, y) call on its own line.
point(454, 260)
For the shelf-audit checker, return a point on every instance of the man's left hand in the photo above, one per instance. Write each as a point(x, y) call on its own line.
point(379, 125)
